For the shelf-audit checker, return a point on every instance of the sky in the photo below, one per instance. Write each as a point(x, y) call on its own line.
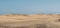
point(29, 6)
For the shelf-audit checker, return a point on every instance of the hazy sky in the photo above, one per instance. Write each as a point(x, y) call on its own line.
point(29, 6)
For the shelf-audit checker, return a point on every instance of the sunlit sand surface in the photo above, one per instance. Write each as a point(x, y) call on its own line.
point(30, 21)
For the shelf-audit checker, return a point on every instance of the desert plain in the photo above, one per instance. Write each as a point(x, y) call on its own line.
point(30, 21)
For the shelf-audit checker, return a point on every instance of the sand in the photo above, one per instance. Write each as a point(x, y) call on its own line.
point(29, 20)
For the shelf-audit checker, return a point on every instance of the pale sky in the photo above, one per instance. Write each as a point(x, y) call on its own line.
point(29, 6)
